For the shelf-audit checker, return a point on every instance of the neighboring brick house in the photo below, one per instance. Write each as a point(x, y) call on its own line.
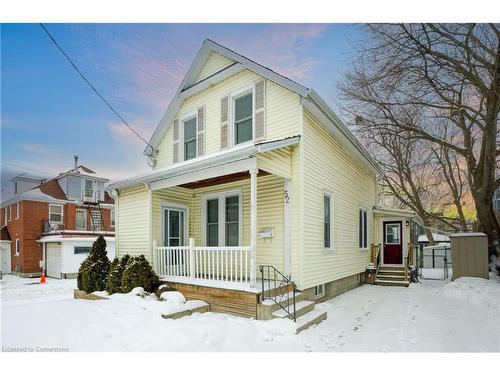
point(65, 212)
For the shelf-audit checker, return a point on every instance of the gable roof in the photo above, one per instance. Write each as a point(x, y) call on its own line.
point(82, 170)
point(310, 99)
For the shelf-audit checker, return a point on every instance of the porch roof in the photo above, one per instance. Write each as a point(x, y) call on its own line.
point(178, 173)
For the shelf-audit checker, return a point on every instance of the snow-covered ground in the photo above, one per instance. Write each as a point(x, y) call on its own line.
point(463, 316)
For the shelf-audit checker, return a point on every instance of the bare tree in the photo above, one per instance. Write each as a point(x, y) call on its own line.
point(407, 75)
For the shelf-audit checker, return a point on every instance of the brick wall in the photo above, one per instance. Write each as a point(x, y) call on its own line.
point(29, 228)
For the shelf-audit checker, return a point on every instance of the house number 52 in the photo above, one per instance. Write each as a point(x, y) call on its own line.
point(287, 197)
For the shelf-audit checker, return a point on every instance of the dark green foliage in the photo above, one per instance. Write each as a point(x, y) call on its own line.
point(138, 272)
point(93, 272)
point(115, 274)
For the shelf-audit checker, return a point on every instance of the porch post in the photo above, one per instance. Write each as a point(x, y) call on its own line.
point(155, 257)
point(253, 224)
point(191, 258)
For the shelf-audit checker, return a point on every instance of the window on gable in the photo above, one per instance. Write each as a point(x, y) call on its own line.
point(88, 191)
point(363, 229)
point(190, 138)
point(327, 221)
point(243, 118)
point(56, 213)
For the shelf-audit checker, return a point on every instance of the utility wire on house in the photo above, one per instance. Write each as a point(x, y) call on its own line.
point(93, 87)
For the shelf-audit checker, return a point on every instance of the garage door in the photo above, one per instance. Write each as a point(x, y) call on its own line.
point(5, 258)
point(54, 260)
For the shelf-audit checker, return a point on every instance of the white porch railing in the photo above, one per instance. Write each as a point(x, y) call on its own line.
point(224, 264)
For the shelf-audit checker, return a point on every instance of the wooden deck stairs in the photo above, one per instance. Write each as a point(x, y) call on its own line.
point(393, 276)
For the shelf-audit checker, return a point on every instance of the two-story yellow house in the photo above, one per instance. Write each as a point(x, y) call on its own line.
point(252, 169)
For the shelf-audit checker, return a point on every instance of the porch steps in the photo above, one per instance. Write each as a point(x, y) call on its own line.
point(392, 276)
point(305, 312)
point(310, 319)
point(301, 308)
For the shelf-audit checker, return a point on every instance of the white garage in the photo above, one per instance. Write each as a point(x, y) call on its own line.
point(53, 260)
point(63, 254)
point(5, 256)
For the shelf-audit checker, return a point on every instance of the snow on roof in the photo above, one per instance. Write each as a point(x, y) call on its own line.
point(438, 237)
point(82, 170)
point(468, 234)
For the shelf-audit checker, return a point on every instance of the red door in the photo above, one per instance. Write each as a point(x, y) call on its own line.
point(393, 242)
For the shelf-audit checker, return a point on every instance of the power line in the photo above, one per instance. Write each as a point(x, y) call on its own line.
point(93, 88)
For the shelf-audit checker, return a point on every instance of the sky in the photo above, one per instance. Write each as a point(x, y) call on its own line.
point(49, 114)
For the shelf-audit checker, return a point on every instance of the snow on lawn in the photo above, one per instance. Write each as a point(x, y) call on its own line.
point(433, 316)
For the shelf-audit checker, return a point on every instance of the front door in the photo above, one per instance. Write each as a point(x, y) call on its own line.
point(393, 242)
point(174, 226)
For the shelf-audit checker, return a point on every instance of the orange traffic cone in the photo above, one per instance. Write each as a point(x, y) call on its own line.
point(42, 279)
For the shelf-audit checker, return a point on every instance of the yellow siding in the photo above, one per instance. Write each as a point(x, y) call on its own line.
point(133, 224)
point(328, 168)
point(283, 113)
point(277, 162)
point(214, 64)
point(295, 187)
point(174, 195)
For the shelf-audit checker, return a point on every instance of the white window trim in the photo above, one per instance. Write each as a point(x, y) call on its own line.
point(5, 215)
point(232, 126)
point(18, 247)
point(363, 209)
point(332, 221)
point(62, 213)
point(83, 180)
point(166, 205)
point(322, 293)
point(17, 211)
point(188, 116)
point(222, 215)
point(400, 233)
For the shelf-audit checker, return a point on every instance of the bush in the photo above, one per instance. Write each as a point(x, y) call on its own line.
point(139, 273)
point(93, 272)
point(115, 274)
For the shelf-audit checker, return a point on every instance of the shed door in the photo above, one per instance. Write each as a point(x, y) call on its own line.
point(5, 256)
point(393, 242)
point(54, 260)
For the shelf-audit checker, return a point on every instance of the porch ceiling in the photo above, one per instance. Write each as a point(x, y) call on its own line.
point(221, 180)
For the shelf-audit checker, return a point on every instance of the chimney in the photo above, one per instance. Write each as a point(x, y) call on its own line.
point(76, 162)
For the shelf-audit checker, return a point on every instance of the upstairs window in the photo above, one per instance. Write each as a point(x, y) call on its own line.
point(363, 229)
point(88, 191)
point(81, 219)
point(56, 213)
point(18, 247)
point(190, 138)
point(17, 210)
point(10, 212)
point(113, 217)
point(243, 118)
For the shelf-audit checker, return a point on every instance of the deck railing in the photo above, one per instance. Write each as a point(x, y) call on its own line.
point(225, 264)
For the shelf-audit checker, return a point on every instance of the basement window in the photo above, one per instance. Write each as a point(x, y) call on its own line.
point(319, 291)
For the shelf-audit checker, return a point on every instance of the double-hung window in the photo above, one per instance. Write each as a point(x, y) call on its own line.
point(189, 138)
point(243, 118)
point(81, 219)
point(88, 191)
point(223, 220)
point(56, 213)
point(113, 217)
point(327, 221)
point(18, 247)
point(363, 229)
point(17, 210)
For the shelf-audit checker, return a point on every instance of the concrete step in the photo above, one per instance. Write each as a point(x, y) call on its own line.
point(310, 319)
point(391, 282)
point(301, 308)
point(285, 300)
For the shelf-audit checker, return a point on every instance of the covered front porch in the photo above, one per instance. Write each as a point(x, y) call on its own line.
point(214, 220)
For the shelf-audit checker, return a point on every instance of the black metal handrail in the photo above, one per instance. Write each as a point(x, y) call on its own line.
point(280, 283)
